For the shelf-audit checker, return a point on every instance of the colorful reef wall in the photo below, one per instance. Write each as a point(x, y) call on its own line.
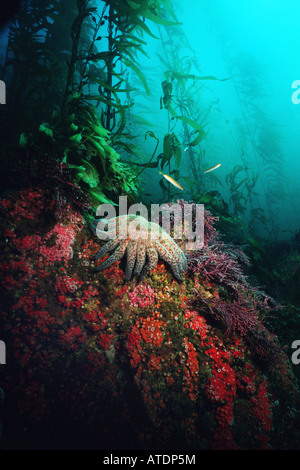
point(97, 363)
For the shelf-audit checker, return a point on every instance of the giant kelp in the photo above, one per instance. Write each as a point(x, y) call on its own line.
point(183, 117)
point(82, 49)
point(261, 140)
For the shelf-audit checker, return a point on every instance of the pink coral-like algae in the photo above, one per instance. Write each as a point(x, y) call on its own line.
point(141, 296)
point(169, 361)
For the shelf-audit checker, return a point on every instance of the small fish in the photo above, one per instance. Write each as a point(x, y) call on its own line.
point(212, 168)
point(171, 180)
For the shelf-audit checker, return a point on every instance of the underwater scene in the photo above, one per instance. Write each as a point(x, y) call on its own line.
point(150, 227)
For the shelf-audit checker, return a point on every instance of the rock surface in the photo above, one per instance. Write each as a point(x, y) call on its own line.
point(97, 363)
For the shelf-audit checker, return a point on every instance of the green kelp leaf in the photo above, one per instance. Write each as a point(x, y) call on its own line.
point(140, 120)
point(78, 170)
point(163, 185)
point(82, 15)
point(243, 181)
point(207, 197)
point(258, 213)
point(123, 46)
point(235, 171)
point(140, 24)
point(105, 56)
point(167, 88)
point(151, 135)
point(175, 174)
point(23, 140)
point(98, 147)
point(177, 156)
point(128, 186)
point(135, 5)
point(158, 19)
point(167, 148)
point(113, 88)
point(165, 102)
point(90, 176)
point(107, 185)
point(197, 140)
point(121, 123)
point(210, 77)
point(150, 163)
point(255, 244)
point(98, 197)
point(163, 160)
point(100, 131)
point(171, 147)
point(138, 72)
point(191, 76)
point(254, 179)
point(134, 38)
point(189, 180)
point(216, 179)
point(76, 138)
point(107, 102)
point(73, 127)
point(256, 247)
point(146, 165)
point(44, 129)
point(129, 147)
point(177, 151)
point(191, 123)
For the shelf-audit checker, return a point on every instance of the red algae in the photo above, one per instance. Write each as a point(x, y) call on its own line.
point(99, 356)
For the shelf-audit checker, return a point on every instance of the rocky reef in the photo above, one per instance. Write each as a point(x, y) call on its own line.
point(94, 362)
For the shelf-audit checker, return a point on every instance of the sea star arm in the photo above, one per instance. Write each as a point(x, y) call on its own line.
point(152, 261)
point(168, 257)
point(109, 246)
point(144, 242)
point(131, 258)
point(140, 257)
point(117, 254)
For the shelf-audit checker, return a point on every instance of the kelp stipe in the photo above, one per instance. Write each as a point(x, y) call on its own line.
point(56, 57)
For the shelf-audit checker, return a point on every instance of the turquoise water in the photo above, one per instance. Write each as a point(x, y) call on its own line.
point(252, 120)
point(257, 44)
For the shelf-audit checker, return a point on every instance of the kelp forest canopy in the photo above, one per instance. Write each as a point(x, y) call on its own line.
point(104, 95)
